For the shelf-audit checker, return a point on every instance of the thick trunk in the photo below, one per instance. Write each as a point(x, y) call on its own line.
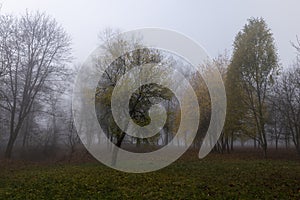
point(12, 137)
point(265, 151)
point(264, 146)
point(9, 147)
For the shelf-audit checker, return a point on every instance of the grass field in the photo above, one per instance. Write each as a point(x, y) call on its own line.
point(215, 177)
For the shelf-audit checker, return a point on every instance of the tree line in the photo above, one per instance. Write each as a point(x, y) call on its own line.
point(36, 76)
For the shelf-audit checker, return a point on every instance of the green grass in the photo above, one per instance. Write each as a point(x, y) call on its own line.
point(211, 178)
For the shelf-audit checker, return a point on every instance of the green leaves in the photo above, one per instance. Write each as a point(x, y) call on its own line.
point(250, 76)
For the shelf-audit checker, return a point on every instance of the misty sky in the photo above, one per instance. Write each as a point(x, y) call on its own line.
point(211, 23)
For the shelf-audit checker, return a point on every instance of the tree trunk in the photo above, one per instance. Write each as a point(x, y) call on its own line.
point(12, 137)
point(25, 133)
point(138, 142)
point(231, 142)
point(116, 148)
point(227, 144)
point(264, 142)
point(265, 151)
point(298, 150)
point(9, 147)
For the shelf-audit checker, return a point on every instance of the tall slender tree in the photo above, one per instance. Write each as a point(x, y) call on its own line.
point(254, 64)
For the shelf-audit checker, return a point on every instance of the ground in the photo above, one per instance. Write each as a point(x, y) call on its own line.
point(242, 175)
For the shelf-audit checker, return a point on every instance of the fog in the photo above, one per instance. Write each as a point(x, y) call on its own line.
point(213, 24)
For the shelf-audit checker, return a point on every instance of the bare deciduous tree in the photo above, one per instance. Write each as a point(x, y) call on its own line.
point(288, 102)
point(33, 48)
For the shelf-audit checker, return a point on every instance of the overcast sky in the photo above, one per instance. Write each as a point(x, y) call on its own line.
point(211, 23)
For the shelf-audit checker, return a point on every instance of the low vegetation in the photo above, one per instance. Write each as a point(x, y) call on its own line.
point(234, 176)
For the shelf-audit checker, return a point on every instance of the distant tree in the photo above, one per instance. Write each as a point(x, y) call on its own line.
point(226, 139)
point(276, 123)
point(296, 45)
point(71, 138)
point(287, 98)
point(254, 65)
point(33, 48)
point(202, 94)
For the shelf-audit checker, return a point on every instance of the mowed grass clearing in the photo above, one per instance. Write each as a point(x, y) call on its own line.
point(215, 177)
